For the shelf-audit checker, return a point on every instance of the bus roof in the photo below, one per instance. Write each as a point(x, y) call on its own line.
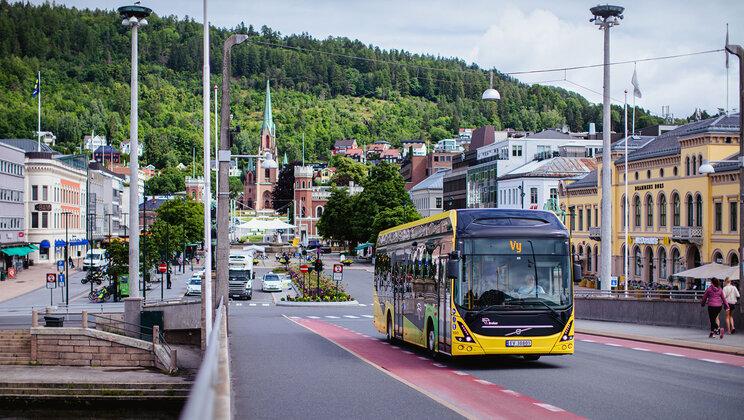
point(439, 216)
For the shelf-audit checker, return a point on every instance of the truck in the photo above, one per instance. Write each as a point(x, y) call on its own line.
point(241, 275)
point(96, 259)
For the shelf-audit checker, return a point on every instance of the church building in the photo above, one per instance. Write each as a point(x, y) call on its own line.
point(260, 181)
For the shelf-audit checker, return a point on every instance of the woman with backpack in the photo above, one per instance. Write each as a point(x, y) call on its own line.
point(715, 300)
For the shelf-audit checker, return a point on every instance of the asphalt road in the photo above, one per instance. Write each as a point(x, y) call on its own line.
point(282, 370)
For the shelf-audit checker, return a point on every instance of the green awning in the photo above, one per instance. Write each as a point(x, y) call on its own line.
point(33, 247)
point(17, 251)
point(363, 246)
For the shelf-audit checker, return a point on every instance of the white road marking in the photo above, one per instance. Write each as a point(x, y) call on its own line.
point(510, 392)
point(240, 304)
point(361, 304)
point(461, 373)
point(640, 349)
point(368, 316)
point(264, 304)
point(483, 381)
point(331, 317)
point(351, 316)
point(712, 360)
point(613, 345)
point(313, 317)
point(674, 354)
point(439, 365)
point(549, 407)
point(407, 352)
point(294, 317)
point(587, 341)
point(251, 304)
point(423, 358)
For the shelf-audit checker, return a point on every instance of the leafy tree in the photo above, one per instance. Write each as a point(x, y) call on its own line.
point(348, 170)
point(168, 181)
point(335, 223)
point(392, 217)
point(283, 193)
point(118, 252)
point(187, 214)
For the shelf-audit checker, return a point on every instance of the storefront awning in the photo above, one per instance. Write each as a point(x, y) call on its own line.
point(44, 244)
point(75, 242)
point(33, 247)
point(712, 270)
point(17, 251)
point(363, 246)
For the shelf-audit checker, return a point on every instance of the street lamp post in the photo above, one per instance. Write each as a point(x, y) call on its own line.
point(67, 258)
point(134, 17)
point(605, 17)
point(738, 51)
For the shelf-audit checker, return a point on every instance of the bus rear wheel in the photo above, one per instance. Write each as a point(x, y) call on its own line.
point(531, 357)
point(431, 340)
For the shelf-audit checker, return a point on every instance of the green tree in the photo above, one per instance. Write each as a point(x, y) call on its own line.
point(392, 217)
point(188, 214)
point(335, 223)
point(383, 189)
point(168, 181)
point(348, 170)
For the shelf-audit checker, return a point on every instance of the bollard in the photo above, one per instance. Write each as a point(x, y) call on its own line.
point(48, 310)
point(34, 318)
point(85, 319)
point(156, 335)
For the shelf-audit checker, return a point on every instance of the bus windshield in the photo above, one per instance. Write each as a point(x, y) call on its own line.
point(520, 272)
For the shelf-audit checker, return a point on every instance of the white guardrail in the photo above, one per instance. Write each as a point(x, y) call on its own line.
point(686, 295)
point(210, 396)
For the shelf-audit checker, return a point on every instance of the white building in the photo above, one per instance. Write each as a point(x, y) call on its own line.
point(427, 194)
point(126, 147)
point(531, 186)
point(55, 205)
point(449, 145)
point(418, 147)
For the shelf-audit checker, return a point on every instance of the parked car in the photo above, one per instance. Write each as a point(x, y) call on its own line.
point(95, 259)
point(193, 287)
point(271, 283)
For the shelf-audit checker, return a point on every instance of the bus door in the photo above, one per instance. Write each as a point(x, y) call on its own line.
point(398, 303)
point(443, 299)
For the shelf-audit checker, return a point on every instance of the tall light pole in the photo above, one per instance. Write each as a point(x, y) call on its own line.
point(207, 191)
point(605, 17)
point(134, 17)
point(738, 51)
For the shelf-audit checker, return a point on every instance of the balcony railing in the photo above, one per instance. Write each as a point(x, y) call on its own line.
point(595, 233)
point(691, 234)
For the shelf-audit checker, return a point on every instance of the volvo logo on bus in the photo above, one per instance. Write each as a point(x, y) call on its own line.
point(488, 323)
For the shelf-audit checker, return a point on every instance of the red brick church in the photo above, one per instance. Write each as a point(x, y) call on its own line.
point(259, 181)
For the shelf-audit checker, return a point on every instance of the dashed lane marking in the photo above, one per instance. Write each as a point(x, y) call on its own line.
point(460, 373)
point(674, 354)
point(313, 317)
point(351, 316)
point(368, 316)
point(712, 360)
point(407, 352)
point(587, 341)
point(510, 392)
point(423, 358)
point(361, 304)
point(240, 304)
point(264, 304)
point(640, 349)
point(439, 365)
point(483, 381)
point(251, 304)
point(613, 345)
point(331, 316)
point(549, 407)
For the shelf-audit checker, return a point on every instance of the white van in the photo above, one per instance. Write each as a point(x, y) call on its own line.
point(95, 259)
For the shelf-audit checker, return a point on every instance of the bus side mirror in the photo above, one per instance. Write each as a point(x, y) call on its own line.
point(577, 274)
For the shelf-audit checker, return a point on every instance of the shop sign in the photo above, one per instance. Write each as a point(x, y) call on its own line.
point(656, 186)
point(43, 207)
point(646, 241)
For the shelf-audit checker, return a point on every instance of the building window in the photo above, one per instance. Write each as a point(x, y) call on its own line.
point(267, 174)
point(45, 193)
point(718, 216)
point(588, 259)
point(533, 195)
point(648, 174)
point(733, 219)
point(319, 212)
point(439, 202)
point(699, 210)
point(662, 211)
point(694, 165)
point(690, 212)
point(588, 218)
point(662, 264)
point(34, 220)
point(623, 211)
point(676, 210)
point(637, 211)
point(636, 175)
point(581, 219)
point(661, 173)
point(44, 220)
point(516, 150)
point(675, 171)
point(35, 192)
point(649, 211)
point(687, 166)
point(571, 218)
point(554, 195)
point(638, 262)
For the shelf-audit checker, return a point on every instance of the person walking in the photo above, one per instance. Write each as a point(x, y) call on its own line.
point(714, 299)
point(731, 293)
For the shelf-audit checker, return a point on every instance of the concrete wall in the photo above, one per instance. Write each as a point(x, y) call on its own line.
point(178, 315)
point(84, 347)
point(663, 312)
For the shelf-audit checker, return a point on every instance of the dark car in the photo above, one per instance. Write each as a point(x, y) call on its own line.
point(325, 249)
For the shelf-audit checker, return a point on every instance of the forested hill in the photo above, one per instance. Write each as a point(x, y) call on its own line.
point(319, 87)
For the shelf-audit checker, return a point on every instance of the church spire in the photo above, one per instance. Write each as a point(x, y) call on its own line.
point(268, 119)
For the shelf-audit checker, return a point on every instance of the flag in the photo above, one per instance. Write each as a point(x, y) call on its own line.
point(37, 88)
point(725, 52)
point(636, 86)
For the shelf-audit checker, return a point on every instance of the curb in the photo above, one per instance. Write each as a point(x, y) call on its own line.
point(318, 304)
point(667, 341)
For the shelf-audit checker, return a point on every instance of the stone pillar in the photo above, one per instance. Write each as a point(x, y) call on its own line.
point(84, 316)
point(132, 309)
point(155, 335)
point(34, 318)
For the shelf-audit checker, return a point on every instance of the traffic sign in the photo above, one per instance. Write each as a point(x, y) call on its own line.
point(60, 265)
point(613, 281)
point(51, 281)
point(338, 272)
point(61, 278)
point(162, 268)
point(304, 268)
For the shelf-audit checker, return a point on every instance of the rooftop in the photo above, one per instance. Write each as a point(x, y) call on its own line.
point(588, 181)
point(557, 167)
point(433, 181)
point(550, 133)
point(27, 145)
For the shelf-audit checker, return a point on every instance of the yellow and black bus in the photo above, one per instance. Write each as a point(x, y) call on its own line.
point(478, 282)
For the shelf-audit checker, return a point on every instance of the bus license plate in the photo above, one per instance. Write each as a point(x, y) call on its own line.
point(518, 343)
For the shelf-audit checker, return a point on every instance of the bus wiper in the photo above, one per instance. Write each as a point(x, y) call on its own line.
point(553, 313)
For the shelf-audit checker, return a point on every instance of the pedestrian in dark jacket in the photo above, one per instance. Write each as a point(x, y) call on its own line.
point(715, 300)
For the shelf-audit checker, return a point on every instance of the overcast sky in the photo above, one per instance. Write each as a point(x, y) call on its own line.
point(519, 35)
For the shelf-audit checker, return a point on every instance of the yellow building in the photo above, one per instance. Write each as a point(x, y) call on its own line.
point(679, 218)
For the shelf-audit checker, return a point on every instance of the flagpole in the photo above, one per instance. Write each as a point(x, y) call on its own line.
point(625, 201)
point(38, 128)
point(727, 72)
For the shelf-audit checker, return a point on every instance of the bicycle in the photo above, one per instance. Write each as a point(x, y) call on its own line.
point(100, 295)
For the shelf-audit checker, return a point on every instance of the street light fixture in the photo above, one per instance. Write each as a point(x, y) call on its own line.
point(605, 17)
point(134, 17)
point(707, 167)
point(491, 94)
point(738, 51)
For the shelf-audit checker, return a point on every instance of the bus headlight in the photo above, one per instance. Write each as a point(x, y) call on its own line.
point(466, 336)
point(567, 333)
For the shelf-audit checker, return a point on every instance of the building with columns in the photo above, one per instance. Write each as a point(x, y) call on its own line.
point(679, 218)
point(259, 181)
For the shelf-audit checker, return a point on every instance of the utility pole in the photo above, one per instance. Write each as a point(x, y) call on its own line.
point(207, 170)
point(605, 17)
point(738, 51)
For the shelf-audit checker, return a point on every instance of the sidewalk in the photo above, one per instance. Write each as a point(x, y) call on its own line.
point(673, 336)
point(26, 281)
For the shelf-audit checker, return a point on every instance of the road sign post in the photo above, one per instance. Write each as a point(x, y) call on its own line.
point(304, 269)
point(338, 274)
point(51, 284)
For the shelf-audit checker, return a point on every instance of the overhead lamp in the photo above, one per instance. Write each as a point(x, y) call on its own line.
point(706, 168)
point(269, 162)
point(491, 94)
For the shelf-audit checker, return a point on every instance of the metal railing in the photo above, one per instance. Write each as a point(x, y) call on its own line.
point(692, 234)
point(210, 386)
point(127, 329)
point(595, 232)
point(685, 295)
